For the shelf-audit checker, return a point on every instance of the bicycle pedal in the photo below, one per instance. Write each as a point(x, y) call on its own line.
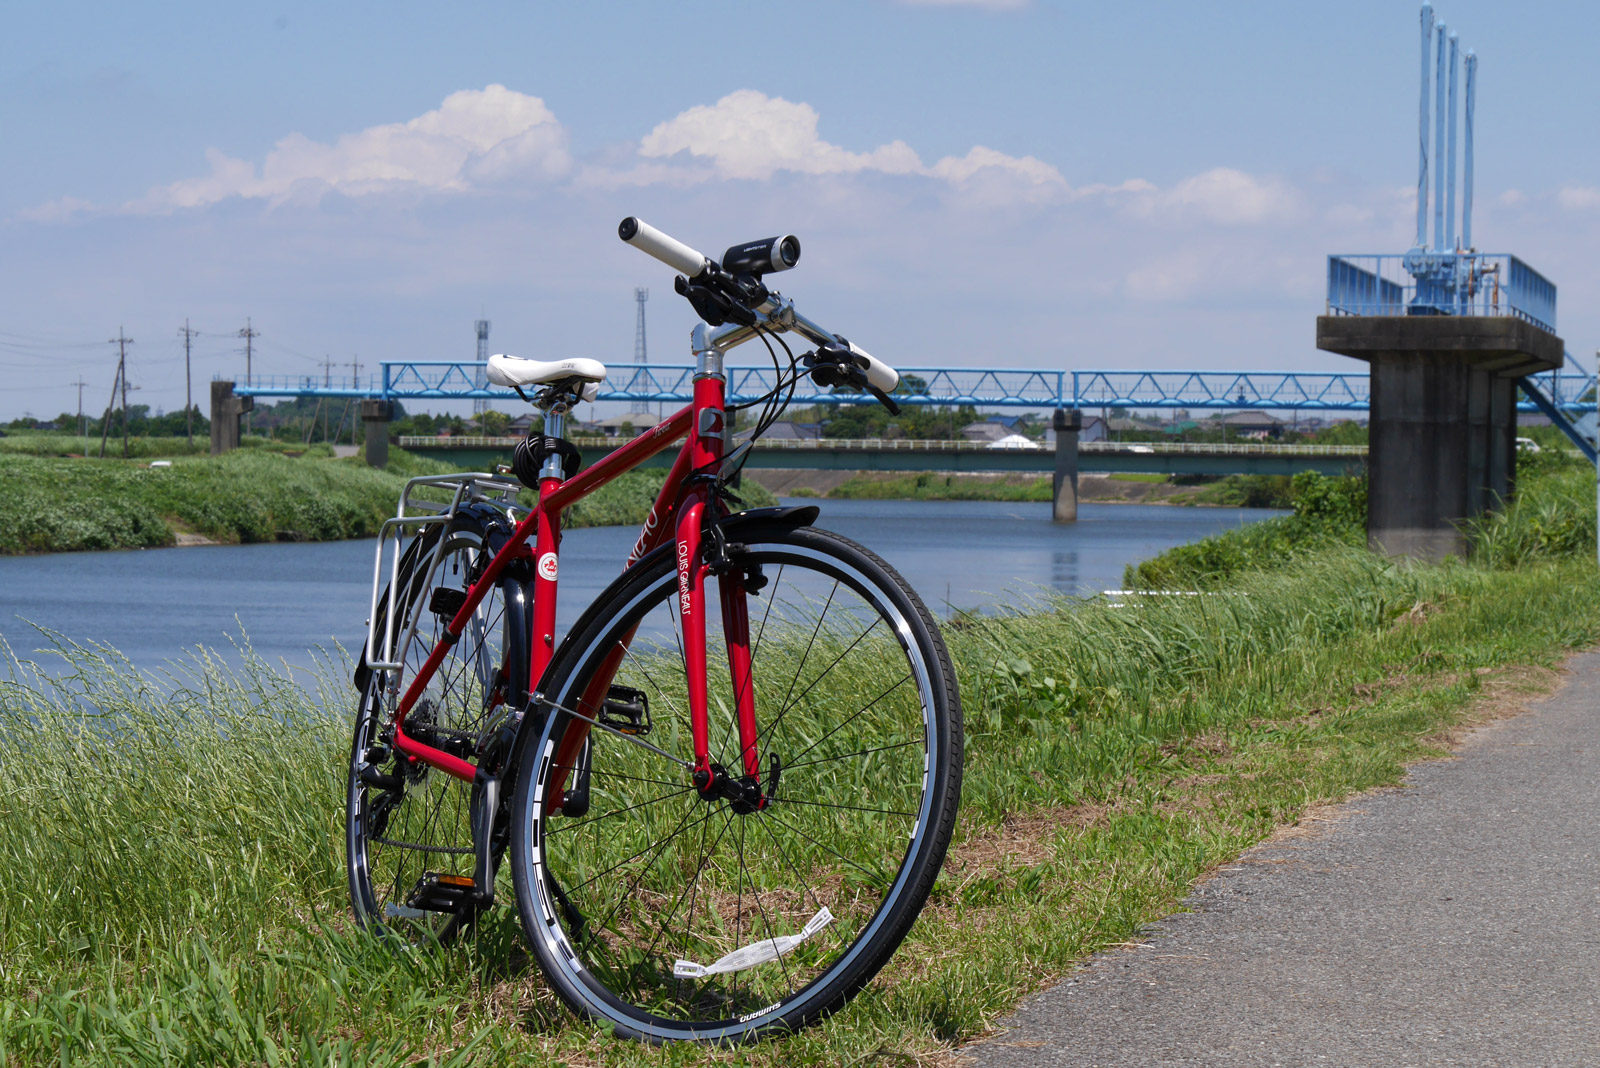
point(441, 892)
point(445, 602)
point(626, 711)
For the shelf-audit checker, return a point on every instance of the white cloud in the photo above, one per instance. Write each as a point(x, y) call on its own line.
point(1579, 198)
point(981, 161)
point(748, 134)
point(1230, 197)
point(475, 137)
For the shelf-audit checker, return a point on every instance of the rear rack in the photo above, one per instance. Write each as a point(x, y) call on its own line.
point(415, 514)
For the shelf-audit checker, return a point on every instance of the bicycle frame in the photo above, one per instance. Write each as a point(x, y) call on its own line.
point(680, 512)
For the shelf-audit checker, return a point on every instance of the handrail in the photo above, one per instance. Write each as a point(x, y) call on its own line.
point(1167, 448)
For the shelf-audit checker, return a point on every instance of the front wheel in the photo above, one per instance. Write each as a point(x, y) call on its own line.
point(664, 915)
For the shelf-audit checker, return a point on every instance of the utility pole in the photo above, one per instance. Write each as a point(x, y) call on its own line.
point(355, 383)
point(249, 334)
point(327, 371)
point(83, 428)
point(188, 384)
point(111, 404)
point(121, 341)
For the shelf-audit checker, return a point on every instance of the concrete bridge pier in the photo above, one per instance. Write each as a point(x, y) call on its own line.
point(1067, 422)
point(376, 414)
point(1442, 436)
point(226, 410)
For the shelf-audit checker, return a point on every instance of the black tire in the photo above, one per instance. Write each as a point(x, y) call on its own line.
point(407, 824)
point(854, 694)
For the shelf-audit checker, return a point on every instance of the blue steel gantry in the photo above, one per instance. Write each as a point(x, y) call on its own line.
point(1570, 392)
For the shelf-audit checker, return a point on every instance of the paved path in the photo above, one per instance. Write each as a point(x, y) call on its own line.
point(1454, 922)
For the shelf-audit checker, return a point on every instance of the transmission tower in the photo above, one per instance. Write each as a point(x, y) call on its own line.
point(481, 381)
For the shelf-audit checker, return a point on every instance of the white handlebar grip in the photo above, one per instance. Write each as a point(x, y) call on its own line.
point(881, 375)
point(669, 250)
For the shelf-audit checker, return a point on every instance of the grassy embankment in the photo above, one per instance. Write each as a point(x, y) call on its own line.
point(171, 881)
point(56, 503)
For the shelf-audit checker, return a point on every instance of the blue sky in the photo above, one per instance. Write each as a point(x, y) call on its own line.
point(1012, 183)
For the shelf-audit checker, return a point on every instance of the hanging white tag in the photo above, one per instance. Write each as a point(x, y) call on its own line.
point(756, 952)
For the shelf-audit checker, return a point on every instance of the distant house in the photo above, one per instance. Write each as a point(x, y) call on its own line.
point(1094, 429)
point(613, 426)
point(986, 432)
point(522, 424)
point(1253, 424)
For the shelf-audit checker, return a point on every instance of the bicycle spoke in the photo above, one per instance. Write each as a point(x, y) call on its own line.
point(787, 768)
point(836, 661)
point(622, 811)
point(653, 845)
point(876, 877)
point(853, 716)
point(849, 808)
point(659, 847)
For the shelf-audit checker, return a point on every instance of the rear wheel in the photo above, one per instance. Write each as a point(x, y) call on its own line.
point(409, 841)
point(668, 916)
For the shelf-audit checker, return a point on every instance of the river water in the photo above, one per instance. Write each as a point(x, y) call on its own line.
point(158, 605)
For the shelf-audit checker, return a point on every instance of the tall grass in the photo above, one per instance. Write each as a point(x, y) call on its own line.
point(171, 852)
point(1552, 515)
point(171, 857)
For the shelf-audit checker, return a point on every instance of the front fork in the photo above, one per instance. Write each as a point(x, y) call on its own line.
point(711, 779)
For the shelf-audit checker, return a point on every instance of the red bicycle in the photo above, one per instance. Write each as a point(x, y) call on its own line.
point(726, 794)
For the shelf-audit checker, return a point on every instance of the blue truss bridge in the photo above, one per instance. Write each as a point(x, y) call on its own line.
point(1571, 392)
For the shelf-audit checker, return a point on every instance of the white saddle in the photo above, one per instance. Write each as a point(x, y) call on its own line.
point(514, 371)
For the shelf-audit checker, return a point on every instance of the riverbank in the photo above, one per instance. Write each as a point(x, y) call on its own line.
point(1233, 491)
point(70, 504)
point(1115, 756)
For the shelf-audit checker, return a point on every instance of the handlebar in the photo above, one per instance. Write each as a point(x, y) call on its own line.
point(669, 250)
point(737, 280)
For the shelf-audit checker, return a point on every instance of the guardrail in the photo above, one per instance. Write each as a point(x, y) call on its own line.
point(1167, 448)
point(1422, 282)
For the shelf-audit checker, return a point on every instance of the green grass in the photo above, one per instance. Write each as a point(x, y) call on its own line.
point(171, 879)
point(57, 504)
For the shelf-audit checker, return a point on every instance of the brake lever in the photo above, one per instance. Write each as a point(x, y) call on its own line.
point(833, 366)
